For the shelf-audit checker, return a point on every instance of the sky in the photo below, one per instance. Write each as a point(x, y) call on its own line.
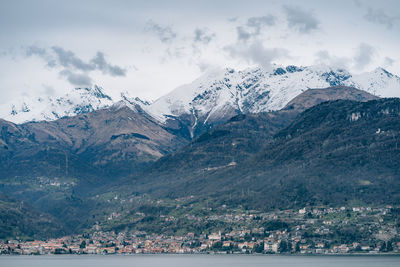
point(148, 48)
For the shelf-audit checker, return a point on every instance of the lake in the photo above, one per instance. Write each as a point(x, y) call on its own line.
point(196, 260)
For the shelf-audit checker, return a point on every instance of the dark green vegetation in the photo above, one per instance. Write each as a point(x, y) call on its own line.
point(331, 154)
point(19, 220)
point(334, 153)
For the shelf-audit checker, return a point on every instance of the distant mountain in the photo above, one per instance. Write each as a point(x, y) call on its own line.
point(74, 102)
point(211, 99)
point(220, 94)
point(333, 153)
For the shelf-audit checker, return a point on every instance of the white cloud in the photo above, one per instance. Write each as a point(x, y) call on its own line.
point(379, 16)
point(301, 20)
point(388, 62)
point(203, 36)
point(324, 57)
point(257, 53)
point(164, 33)
point(364, 56)
point(161, 39)
point(73, 68)
point(254, 25)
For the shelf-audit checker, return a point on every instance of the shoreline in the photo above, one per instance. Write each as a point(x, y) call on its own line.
point(216, 254)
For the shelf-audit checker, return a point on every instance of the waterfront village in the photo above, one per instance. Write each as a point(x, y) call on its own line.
point(357, 230)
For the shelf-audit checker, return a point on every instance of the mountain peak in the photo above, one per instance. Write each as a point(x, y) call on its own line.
point(96, 91)
point(219, 94)
point(74, 102)
point(134, 103)
point(381, 71)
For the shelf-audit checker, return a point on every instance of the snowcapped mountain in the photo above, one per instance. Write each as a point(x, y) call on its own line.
point(77, 101)
point(379, 82)
point(220, 94)
point(212, 98)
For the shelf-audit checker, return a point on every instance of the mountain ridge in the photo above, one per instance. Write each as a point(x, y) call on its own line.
point(218, 95)
point(211, 99)
point(74, 102)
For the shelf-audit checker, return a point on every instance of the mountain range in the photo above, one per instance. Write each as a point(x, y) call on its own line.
point(213, 98)
point(285, 138)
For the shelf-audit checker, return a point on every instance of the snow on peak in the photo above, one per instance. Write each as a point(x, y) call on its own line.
point(131, 102)
point(256, 90)
point(379, 82)
point(215, 95)
point(74, 102)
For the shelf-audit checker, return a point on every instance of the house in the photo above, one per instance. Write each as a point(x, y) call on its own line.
point(271, 247)
point(215, 236)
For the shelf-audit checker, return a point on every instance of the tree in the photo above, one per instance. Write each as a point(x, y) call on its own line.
point(217, 245)
point(389, 246)
point(83, 244)
point(297, 249)
point(259, 248)
point(289, 247)
point(283, 247)
point(383, 247)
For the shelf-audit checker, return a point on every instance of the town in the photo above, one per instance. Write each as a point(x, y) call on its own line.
point(319, 230)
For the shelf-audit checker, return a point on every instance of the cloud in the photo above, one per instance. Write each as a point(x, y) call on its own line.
point(388, 62)
point(324, 57)
point(258, 22)
point(243, 35)
point(358, 3)
point(203, 36)
point(100, 63)
point(42, 53)
point(77, 79)
point(253, 26)
point(364, 56)
point(203, 66)
point(48, 90)
point(257, 53)
point(73, 68)
point(301, 20)
point(165, 34)
point(35, 50)
point(378, 16)
point(68, 59)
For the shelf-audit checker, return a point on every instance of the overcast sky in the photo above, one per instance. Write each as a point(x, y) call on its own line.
point(150, 47)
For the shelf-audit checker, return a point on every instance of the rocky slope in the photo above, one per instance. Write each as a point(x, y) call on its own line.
point(113, 141)
point(218, 95)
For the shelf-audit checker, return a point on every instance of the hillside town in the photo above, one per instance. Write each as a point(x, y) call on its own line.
point(355, 230)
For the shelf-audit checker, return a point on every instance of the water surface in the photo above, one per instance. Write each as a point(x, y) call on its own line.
point(196, 261)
